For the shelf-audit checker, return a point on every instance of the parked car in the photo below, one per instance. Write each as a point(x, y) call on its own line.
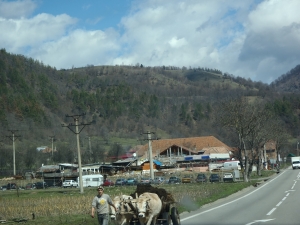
point(30, 186)
point(201, 177)
point(3, 188)
point(187, 179)
point(120, 182)
point(174, 180)
point(158, 180)
point(108, 183)
point(10, 186)
point(70, 183)
point(132, 181)
point(41, 185)
point(145, 180)
point(227, 177)
point(214, 177)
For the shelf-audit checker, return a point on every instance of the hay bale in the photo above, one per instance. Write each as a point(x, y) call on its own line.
point(161, 192)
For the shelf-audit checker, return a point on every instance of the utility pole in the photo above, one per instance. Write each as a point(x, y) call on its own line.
point(90, 149)
point(150, 153)
point(13, 138)
point(52, 139)
point(297, 148)
point(77, 132)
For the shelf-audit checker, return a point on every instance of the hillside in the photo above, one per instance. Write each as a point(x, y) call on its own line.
point(289, 82)
point(120, 103)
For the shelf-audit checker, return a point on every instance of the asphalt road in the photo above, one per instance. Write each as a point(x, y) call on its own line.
point(275, 201)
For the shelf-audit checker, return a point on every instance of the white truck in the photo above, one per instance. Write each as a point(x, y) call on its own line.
point(295, 162)
point(231, 165)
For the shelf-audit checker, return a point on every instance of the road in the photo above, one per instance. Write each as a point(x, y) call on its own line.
point(275, 202)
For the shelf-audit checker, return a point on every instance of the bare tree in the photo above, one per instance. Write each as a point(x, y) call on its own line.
point(245, 119)
point(258, 135)
point(281, 137)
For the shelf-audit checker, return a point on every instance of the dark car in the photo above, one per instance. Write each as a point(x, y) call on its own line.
point(120, 182)
point(174, 180)
point(201, 177)
point(41, 185)
point(132, 181)
point(214, 177)
point(30, 186)
point(3, 188)
point(10, 186)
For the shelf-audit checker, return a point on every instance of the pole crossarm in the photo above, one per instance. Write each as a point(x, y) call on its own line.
point(13, 137)
point(74, 125)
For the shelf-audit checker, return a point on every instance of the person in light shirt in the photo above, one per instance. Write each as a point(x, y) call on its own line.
point(101, 204)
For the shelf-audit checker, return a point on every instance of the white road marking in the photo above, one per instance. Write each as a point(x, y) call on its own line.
point(279, 204)
point(259, 221)
point(283, 198)
point(200, 213)
point(269, 213)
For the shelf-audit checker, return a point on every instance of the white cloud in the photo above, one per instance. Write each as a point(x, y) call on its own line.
point(254, 40)
point(272, 44)
point(16, 9)
point(196, 28)
point(23, 33)
point(177, 42)
point(79, 48)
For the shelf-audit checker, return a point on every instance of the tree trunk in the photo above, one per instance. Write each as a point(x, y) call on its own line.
point(259, 163)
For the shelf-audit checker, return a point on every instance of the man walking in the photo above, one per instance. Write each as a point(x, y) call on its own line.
point(101, 204)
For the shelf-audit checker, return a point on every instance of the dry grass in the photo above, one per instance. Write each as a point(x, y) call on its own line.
point(63, 206)
point(68, 206)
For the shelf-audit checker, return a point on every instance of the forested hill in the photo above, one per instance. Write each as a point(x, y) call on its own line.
point(289, 82)
point(123, 101)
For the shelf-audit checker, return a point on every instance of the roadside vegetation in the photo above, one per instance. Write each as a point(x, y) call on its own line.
point(67, 206)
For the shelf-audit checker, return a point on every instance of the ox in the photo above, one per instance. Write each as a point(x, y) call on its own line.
point(121, 216)
point(149, 206)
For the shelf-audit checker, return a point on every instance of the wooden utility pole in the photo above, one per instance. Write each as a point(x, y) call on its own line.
point(52, 140)
point(77, 132)
point(13, 138)
point(150, 153)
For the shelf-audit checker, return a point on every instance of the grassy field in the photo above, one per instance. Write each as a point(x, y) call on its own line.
point(67, 206)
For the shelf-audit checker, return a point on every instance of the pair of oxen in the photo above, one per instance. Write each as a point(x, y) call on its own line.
point(146, 208)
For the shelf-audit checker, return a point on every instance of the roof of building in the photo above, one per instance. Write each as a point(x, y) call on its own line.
point(193, 143)
point(210, 150)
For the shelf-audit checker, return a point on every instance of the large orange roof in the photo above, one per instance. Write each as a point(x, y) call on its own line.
point(195, 144)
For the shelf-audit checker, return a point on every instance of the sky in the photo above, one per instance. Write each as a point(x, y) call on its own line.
point(256, 39)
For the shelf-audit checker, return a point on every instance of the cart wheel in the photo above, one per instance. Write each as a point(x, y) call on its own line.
point(175, 216)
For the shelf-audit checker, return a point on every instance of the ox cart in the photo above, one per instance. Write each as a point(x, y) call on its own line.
point(167, 215)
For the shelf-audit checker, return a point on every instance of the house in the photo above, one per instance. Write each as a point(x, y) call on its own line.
point(181, 147)
point(185, 153)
